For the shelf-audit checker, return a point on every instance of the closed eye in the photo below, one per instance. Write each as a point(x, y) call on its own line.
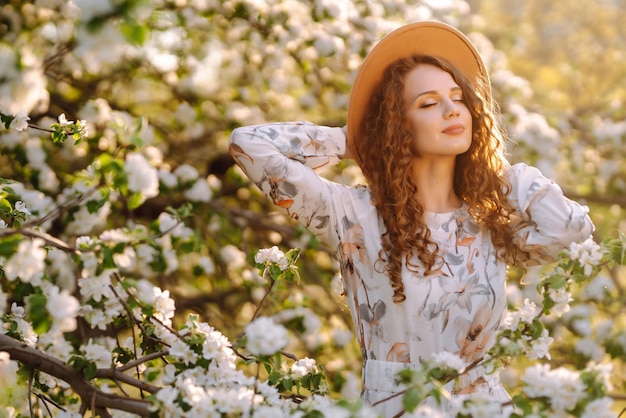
point(429, 104)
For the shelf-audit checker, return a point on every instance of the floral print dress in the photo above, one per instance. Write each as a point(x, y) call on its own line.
point(457, 310)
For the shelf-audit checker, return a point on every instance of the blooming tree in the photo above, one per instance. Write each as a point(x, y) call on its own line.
point(140, 273)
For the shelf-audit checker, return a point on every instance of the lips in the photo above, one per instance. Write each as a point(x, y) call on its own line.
point(455, 129)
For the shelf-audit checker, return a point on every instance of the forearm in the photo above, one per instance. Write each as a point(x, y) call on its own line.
point(550, 220)
point(314, 146)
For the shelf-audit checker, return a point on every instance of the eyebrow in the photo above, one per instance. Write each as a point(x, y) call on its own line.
point(435, 92)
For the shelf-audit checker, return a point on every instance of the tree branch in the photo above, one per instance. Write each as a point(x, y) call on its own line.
point(88, 393)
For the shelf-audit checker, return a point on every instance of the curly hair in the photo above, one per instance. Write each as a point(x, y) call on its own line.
point(478, 179)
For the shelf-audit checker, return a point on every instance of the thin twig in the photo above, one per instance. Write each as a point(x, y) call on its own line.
point(128, 310)
point(39, 128)
point(141, 360)
point(45, 400)
point(269, 289)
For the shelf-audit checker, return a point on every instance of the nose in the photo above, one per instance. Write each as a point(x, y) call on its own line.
point(452, 110)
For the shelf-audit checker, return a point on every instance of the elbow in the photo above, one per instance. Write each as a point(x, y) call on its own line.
point(580, 228)
point(236, 135)
point(236, 143)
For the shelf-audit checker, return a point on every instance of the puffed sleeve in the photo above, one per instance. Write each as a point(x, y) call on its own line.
point(282, 160)
point(547, 221)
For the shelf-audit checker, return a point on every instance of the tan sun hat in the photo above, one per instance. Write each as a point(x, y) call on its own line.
point(423, 38)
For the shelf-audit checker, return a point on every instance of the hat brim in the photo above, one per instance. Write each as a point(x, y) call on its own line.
point(418, 38)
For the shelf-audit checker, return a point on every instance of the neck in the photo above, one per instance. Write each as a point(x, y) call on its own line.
point(435, 184)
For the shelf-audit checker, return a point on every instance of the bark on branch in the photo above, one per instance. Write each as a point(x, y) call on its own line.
point(90, 396)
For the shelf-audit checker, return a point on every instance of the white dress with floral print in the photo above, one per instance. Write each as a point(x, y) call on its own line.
point(458, 310)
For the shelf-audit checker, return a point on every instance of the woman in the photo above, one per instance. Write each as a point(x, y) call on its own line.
point(423, 248)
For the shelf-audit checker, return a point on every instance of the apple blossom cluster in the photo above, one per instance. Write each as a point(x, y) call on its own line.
point(203, 380)
point(564, 390)
point(588, 253)
point(264, 337)
point(272, 255)
point(9, 389)
point(524, 333)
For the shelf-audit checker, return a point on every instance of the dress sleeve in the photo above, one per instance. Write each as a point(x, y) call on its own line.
point(283, 159)
point(547, 222)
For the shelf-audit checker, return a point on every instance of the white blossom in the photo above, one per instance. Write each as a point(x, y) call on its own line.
point(589, 348)
point(199, 192)
point(540, 347)
point(603, 372)
point(478, 405)
point(93, 8)
point(270, 411)
point(426, 411)
point(8, 370)
point(168, 179)
point(24, 328)
point(528, 311)
point(21, 207)
point(28, 262)
point(142, 178)
point(303, 367)
point(54, 344)
point(265, 337)
point(19, 122)
point(449, 360)
point(96, 286)
point(233, 257)
point(599, 288)
point(272, 255)
point(563, 387)
point(97, 353)
point(125, 260)
point(63, 120)
point(561, 299)
point(217, 347)
point(587, 253)
point(207, 264)
point(182, 352)
point(32, 202)
point(164, 305)
point(186, 173)
point(599, 408)
point(63, 308)
point(167, 222)
point(85, 222)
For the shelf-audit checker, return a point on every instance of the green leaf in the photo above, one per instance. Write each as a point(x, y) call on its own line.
point(287, 384)
point(38, 313)
point(6, 119)
point(158, 264)
point(90, 370)
point(133, 32)
point(107, 259)
point(135, 200)
point(293, 255)
point(94, 205)
point(274, 377)
point(275, 272)
point(8, 245)
point(411, 399)
point(5, 206)
point(558, 282)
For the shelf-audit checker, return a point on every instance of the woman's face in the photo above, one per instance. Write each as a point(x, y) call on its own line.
point(439, 119)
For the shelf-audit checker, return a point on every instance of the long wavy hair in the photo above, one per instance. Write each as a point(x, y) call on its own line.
point(386, 150)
